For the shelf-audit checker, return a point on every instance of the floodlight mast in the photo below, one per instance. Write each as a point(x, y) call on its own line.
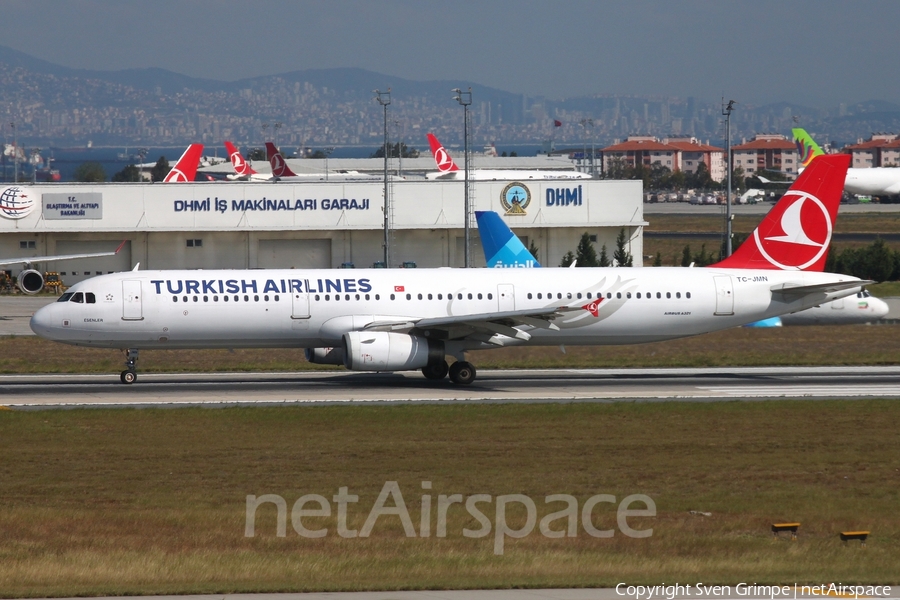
point(465, 99)
point(384, 99)
point(726, 111)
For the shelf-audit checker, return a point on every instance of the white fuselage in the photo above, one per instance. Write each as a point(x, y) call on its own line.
point(314, 308)
point(861, 308)
point(878, 181)
point(506, 175)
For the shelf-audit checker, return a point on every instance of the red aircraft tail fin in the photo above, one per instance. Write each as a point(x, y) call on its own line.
point(237, 161)
point(279, 166)
point(441, 158)
point(796, 233)
point(186, 167)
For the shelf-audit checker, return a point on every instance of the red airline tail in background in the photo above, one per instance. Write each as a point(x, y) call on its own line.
point(186, 167)
point(279, 166)
point(441, 158)
point(796, 233)
point(241, 168)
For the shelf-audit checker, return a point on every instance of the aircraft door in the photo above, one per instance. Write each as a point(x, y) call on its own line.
point(724, 296)
point(132, 303)
point(299, 305)
point(506, 297)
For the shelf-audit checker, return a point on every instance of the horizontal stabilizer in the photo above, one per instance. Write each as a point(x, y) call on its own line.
point(788, 289)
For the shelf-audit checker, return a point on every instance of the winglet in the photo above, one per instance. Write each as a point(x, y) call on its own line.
point(502, 248)
point(796, 233)
point(186, 168)
point(241, 168)
point(441, 158)
point(279, 166)
point(806, 146)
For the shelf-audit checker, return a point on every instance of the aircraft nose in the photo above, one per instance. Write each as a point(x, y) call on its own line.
point(879, 307)
point(42, 322)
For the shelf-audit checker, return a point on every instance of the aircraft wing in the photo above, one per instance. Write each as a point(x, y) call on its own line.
point(36, 259)
point(477, 325)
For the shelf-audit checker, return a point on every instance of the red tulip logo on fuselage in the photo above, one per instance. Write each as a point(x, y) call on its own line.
point(798, 237)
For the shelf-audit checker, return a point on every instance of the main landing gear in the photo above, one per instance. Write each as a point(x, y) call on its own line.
point(129, 375)
point(461, 372)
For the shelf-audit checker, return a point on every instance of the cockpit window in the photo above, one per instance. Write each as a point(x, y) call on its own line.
point(65, 297)
point(78, 297)
point(91, 299)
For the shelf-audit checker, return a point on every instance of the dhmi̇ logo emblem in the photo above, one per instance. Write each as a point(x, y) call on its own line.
point(16, 202)
point(800, 237)
point(515, 198)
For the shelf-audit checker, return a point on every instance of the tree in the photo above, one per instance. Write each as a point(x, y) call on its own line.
point(657, 262)
point(397, 150)
point(585, 253)
point(533, 249)
point(90, 172)
point(568, 259)
point(604, 258)
point(686, 256)
point(160, 169)
point(621, 256)
point(128, 174)
point(257, 154)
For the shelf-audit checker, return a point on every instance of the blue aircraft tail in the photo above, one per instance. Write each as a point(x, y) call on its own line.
point(502, 248)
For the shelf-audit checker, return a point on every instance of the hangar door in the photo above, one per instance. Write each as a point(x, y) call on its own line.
point(294, 254)
point(73, 271)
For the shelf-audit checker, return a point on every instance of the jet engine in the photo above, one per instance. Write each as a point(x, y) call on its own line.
point(388, 351)
point(325, 356)
point(30, 281)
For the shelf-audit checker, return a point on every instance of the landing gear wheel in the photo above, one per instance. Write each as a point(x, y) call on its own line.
point(436, 371)
point(462, 372)
point(129, 375)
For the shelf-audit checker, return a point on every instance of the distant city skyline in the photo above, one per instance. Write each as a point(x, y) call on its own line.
point(816, 53)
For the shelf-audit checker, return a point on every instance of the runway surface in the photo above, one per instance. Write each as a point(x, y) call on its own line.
point(338, 387)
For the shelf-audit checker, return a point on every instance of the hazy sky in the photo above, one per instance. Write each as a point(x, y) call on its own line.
point(812, 52)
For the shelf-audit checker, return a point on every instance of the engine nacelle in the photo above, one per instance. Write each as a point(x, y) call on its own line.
point(30, 281)
point(325, 356)
point(387, 351)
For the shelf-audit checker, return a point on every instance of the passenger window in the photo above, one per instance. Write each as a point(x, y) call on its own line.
point(490, 296)
point(237, 298)
point(206, 298)
point(277, 298)
point(678, 294)
point(393, 297)
point(470, 296)
point(628, 294)
point(420, 296)
point(687, 295)
point(638, 295)
point(225, 298)
point(658, 295)
point(440, 297)
point(578, 295)
point(337, 297)
point(377, 296)
point(529, 295)
point(256, 298)
point(246, 298)
point(78, 297)
point(174, 298)
point(184, 299)
point(589, 295)
point(367, 296)
point(266, 297)
point(215, 298)
point(569, 296)
point(429, 296)
point(559, 295)
point(196, 299)
point(608, 295)
point(459, 296)
point(479, 296)
point(618, 295)
point(328, 297)
point(409, 296)
point(539, 296)
point(668, 294)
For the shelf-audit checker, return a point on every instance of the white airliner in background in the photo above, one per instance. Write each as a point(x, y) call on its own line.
point(281, 171)
point(406, 319)
point(875, 181)
point(447, 169)
point(31, 281)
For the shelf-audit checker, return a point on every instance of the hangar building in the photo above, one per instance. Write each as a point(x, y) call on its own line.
point(245, 225)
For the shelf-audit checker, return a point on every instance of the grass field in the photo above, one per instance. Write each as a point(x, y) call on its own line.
point(153, 501)
point(813, 345)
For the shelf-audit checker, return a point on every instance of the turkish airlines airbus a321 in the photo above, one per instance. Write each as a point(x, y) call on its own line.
point(406, 319)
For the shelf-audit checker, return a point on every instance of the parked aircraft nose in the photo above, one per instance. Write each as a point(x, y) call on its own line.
point(878, 307)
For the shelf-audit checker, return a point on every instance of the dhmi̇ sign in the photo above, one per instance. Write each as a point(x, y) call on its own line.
point(76, 205)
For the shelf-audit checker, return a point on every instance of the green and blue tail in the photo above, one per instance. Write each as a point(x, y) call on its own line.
point(502, 248)
point(806, 146)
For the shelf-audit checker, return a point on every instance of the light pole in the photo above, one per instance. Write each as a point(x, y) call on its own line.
point(585, 123)
point(328, 152)
point(384, 99)
point(726, 111)
point(399, 149)
point(15, 154)
point(465, 99)
point(275, 129)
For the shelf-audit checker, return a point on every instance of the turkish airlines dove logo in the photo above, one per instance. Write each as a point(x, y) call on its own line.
point(278, 165)
point(593, 307)
point(443, 160)
point(237, 161)
point(799, 237)
point(176, 175)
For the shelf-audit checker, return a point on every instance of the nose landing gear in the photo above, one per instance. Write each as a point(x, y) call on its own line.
point(129, 375)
